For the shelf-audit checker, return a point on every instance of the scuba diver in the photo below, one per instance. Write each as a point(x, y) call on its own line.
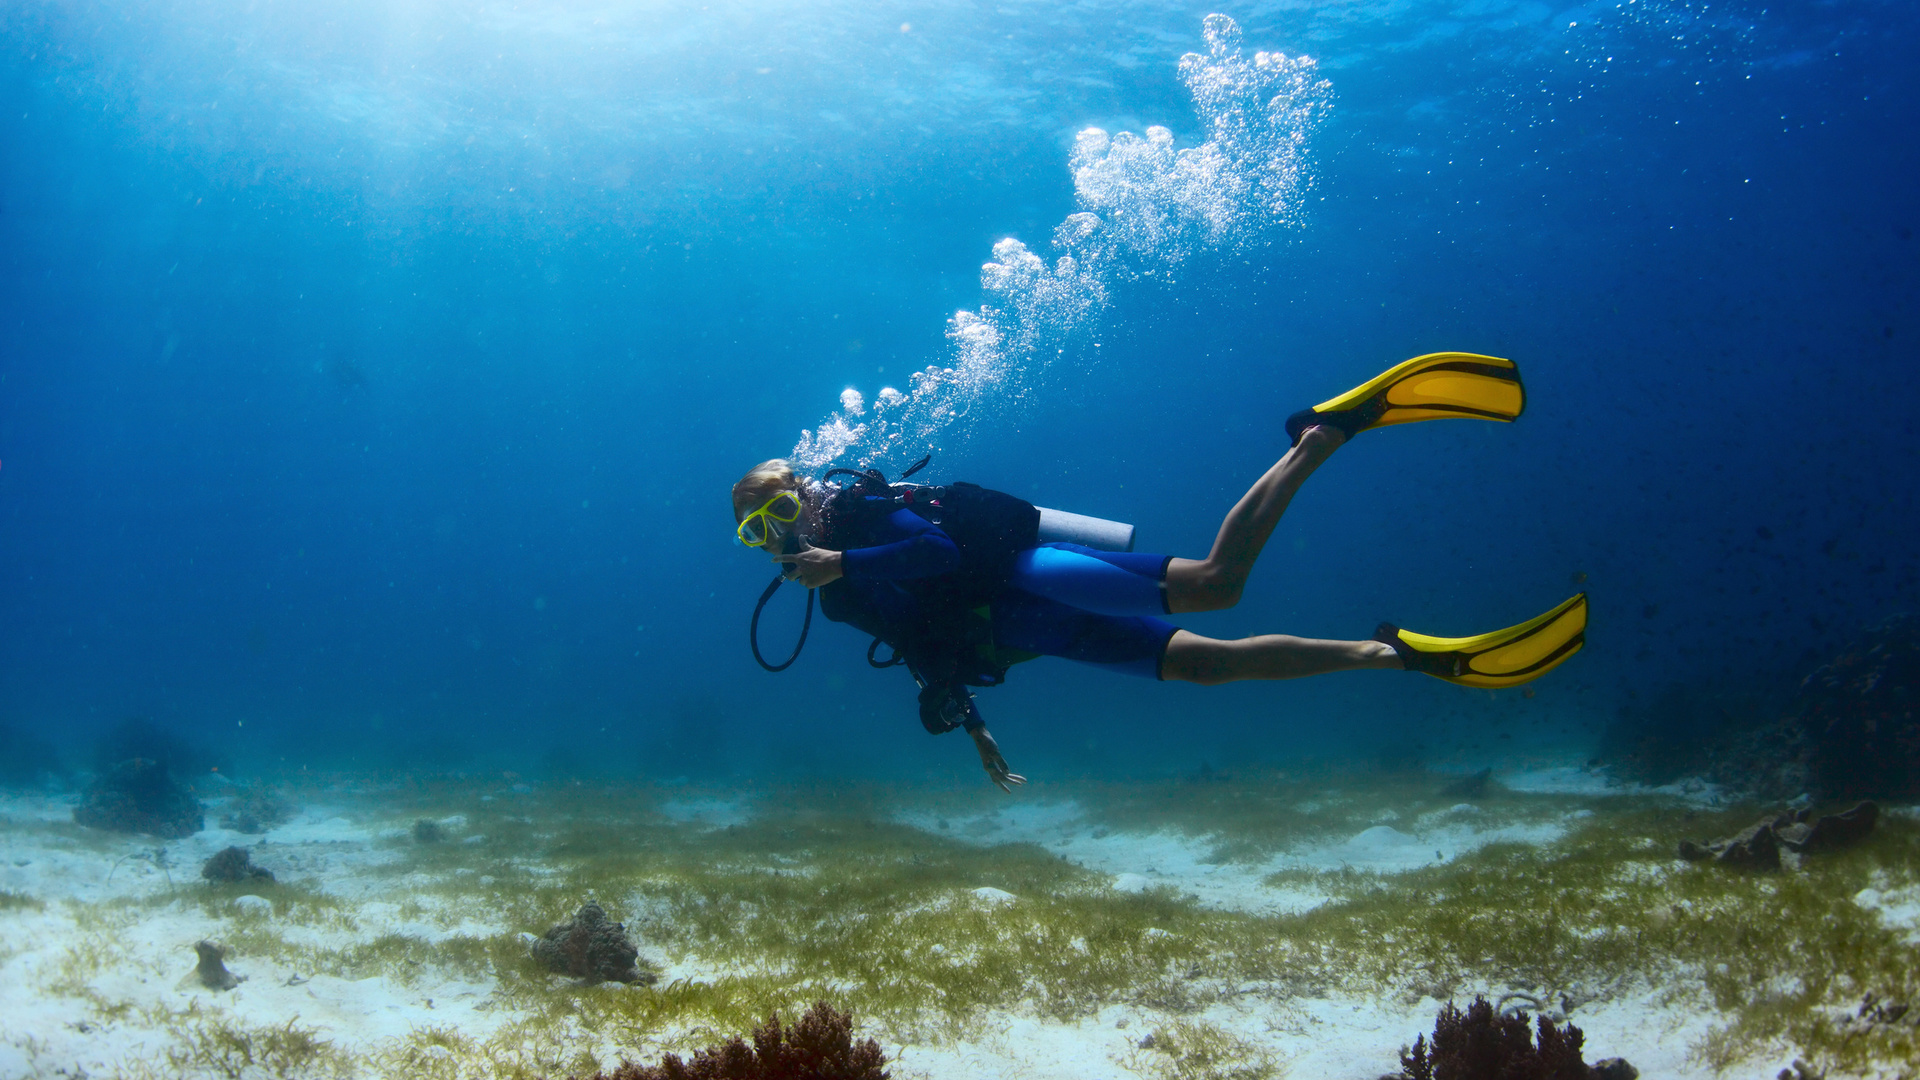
point(961, 581)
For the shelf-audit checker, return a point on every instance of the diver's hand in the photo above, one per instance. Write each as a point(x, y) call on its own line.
point(990, 760)
point(813, 567)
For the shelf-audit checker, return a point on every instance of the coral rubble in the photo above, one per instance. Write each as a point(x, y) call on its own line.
point(212, 971)
point(1481, 1044)
point(591, 947)
point(139, 795)
point(819, 1046)
point(1758, 845)
point(233, 864)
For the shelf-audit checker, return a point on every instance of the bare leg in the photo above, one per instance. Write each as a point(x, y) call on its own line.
point(1210, 661)
point(1215, 582)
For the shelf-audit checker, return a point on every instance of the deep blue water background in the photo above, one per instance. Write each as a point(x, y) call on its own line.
point(371, 376)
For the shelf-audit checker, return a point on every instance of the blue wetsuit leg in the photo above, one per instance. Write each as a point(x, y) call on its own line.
point(1128, 644)
point(1106, 582)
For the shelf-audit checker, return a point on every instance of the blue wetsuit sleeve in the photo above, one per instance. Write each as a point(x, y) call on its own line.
point(923, 551)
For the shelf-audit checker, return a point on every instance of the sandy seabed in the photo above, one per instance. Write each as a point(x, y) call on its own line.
point(1261, 925)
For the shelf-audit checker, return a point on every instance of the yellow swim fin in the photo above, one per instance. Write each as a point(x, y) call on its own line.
point(1430, 387)
point(1507, 657)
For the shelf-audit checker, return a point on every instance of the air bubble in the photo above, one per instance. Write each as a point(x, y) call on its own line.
point(1144, 206)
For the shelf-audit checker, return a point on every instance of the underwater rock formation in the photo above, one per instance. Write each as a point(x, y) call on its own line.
point(1853, 732)
point(1469, 787)
point(1877, 1012)
point(819, 1047)
point(1765, 764)
point(1481, 1044)
point(234, 864)
point(1758, 845)
point(140, 796)
point(1667, 737)
point(1862, 712)
point(1829, 831)
point(255, 810)
point(591, 947)
point(139, 738)
point(212, 971)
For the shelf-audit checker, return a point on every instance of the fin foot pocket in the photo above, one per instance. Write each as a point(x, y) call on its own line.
point(1436, 386)
point(1440, 665)
point(1509, 657)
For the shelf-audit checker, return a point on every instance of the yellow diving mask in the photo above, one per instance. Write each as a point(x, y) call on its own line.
point(757, 528)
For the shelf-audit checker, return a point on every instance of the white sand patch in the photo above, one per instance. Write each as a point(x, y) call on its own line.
point(63, 1010)
point(25, 807)
point(1340, 1037)
point(42, 853)
point(1346, 1038)
point(313, 829)
point(1015, 823)
point(714, 813)
point(149, 982)
point(1138, 861)
point(1019, 1045)
point(1660, 1035)
point(377, 918)
point(451, 826)
point(94, 996)
point(1577, 780)
point(1898, 908)
point(1562, 780)
point(1384, 849)
point(1170, 860)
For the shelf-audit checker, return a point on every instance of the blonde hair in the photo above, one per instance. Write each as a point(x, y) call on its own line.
point(763, 482)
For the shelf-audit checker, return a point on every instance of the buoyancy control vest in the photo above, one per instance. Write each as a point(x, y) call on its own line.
point(991, 528)
point(937, 625)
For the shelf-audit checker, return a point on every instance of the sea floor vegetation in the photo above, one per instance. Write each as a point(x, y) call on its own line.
point(1262, 924)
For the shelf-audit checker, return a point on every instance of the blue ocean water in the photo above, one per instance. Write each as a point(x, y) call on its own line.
point(372, 375)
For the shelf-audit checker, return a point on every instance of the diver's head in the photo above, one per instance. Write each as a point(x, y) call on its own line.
point(770, 503)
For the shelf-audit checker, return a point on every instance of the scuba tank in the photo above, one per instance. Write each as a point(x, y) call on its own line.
point(1060, 526)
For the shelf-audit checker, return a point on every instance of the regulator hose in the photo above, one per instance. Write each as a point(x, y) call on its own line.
point(753, 626)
